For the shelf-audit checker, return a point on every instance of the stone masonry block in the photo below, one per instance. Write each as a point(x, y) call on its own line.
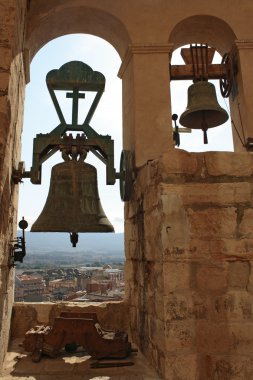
point(24, 317)
point(246, 226)
point(130, 230)
point(177, 161)
point(131, 250)
point(182, 367)
point(131, 209)
point(234, 305)
point(186, 305)
point(4, 83)
point(157, 332)
point(175, 228)
point(212, 338)
point(232, 367)
point(196, 250)
point(229, 164)
point(211, 277)
point(153, 250)
point(130, 271)
point(152, 224)
point(159, 306)
point(151, 199)
point(213, 222)
point(241, 338)
point(219, 338)
point(6, 301)
point(231, 249)
point(180, 335)
point(6, 59)
point(153, 276)
point(238, 274)
point(178, 276)
point(250, 282)
point(210, 193)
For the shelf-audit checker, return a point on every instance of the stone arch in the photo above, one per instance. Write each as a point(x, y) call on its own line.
point(104, 194)
point(50, 22)
point(203, 29)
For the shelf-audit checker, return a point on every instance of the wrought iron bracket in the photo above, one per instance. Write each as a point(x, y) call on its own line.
point(17, 246)
point(126, 175)
point(74, 77)
point(19, 173)
point(45, 145)
point(77, 77)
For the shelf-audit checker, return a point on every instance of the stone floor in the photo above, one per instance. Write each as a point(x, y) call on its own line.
point(18, 365)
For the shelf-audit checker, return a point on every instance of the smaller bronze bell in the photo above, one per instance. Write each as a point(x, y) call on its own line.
point(203, 110)
point(73, 203)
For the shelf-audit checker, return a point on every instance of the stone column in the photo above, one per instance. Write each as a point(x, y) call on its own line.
point(189, 255)
point(12, 21)
point(146, 101)
point(241, 99)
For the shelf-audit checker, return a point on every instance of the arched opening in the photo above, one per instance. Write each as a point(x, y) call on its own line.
point(206, 29)
point(41, 117)
point(47, 21)
point(219, 138)
point(216, 33)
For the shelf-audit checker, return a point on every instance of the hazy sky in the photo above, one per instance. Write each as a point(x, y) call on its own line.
point(41, 117)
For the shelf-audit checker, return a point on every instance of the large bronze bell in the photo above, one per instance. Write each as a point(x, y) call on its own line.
point(203, 110)
point(73, 203)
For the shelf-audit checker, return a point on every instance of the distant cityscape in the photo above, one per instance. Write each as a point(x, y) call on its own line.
point(81, 276)
point(83, 284)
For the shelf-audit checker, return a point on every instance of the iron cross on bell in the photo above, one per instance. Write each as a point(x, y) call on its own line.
point(73, 203)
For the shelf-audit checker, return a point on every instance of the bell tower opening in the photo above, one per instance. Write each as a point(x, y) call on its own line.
point(188, 96)
point(100, 256)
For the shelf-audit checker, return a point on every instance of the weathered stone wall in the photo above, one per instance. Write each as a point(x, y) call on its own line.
point(189, 247)
point(12, 15)
point(111, 315)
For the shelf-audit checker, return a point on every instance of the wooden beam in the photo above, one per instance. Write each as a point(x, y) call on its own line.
point(198, 53)
point(186, 72)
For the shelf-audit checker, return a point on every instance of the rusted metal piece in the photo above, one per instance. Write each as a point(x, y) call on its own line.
point(227, 82)
point(81, 330)
point(110, 364)
point(18, 245)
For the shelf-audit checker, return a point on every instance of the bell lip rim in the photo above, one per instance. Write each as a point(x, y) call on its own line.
point(67, 231)
point(189, 125)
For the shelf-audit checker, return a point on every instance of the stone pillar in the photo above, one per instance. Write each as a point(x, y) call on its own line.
point(189, 251)
point(241, 98)
point(12, 21)
point(146, 101)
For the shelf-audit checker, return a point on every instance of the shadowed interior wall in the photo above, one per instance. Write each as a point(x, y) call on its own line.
point(12, 85)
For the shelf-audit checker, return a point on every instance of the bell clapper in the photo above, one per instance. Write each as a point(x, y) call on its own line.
point(204, 127)
point(74, 238)
point(176, 136)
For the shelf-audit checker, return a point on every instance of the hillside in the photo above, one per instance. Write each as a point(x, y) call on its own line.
point(59, 242)
point(45, 250)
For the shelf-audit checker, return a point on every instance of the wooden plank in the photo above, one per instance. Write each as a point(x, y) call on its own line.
point(185, 72)
point(198, 52)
